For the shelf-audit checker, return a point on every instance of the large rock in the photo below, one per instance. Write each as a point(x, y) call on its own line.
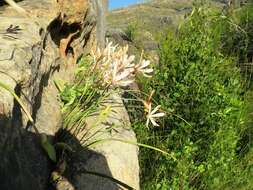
point(112, 163)
point(30, 61)
point(25, 70)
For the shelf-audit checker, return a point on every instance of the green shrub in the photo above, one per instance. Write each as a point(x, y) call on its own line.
point(237, 34)
point(201, 89)
point(131, 31)
point(237, 38)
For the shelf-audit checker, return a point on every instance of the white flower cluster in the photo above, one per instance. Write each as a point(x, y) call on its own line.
point(119, 69)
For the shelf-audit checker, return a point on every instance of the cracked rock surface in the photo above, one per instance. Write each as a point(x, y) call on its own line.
point(29, 64)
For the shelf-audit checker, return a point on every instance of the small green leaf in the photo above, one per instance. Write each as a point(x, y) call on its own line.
point(48, 147)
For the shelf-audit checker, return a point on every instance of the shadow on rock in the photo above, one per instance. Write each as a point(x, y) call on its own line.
point(74, 171)
point(24, 165)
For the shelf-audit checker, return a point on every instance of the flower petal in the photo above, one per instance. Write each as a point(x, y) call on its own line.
point(148, 76)
point(145, 63)
point(154, 122)
point(147, 122)
point(147, 70)
point(158, 115)
point(122, 75)
point(125, 83)
point(155, 110)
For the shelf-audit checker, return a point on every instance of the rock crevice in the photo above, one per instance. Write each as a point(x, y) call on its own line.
point(31, 59)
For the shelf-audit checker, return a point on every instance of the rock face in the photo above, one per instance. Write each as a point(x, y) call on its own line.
point(25, 70)
point(30, 61)
point(112, 158)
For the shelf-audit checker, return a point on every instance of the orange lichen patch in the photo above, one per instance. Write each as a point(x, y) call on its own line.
point(65, 43)
point(71, 12)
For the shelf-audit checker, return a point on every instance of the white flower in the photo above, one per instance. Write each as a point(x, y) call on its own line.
point(119, 76)
point(153, 115)
point(118, 67)
point(142, 67)
point(128, 61)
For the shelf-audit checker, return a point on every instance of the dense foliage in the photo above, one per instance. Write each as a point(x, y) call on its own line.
point(201, 89)
point(238, 38)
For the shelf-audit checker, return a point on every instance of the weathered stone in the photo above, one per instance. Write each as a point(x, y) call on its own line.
point(115, 156)
point(118, 35)
point(25, 68)
point(29, 63)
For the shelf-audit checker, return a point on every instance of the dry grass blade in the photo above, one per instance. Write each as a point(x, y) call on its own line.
point(15, 6)
point(47, 146)
point(2, 85)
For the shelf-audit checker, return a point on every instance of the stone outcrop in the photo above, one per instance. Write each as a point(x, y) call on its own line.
point(112, 155)
point(34, 51)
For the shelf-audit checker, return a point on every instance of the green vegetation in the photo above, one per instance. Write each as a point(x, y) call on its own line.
point(99, 76)
point(208, 123)
point(237, 39)
point(131, 31)
point(82, 98)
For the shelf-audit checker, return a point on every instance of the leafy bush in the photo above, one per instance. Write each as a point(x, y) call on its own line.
point(201, 89)
point(131, 31)
point(237, 38)
point(237, 34)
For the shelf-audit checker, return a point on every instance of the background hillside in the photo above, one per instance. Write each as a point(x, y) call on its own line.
point(154, 15)
point(141, 25)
